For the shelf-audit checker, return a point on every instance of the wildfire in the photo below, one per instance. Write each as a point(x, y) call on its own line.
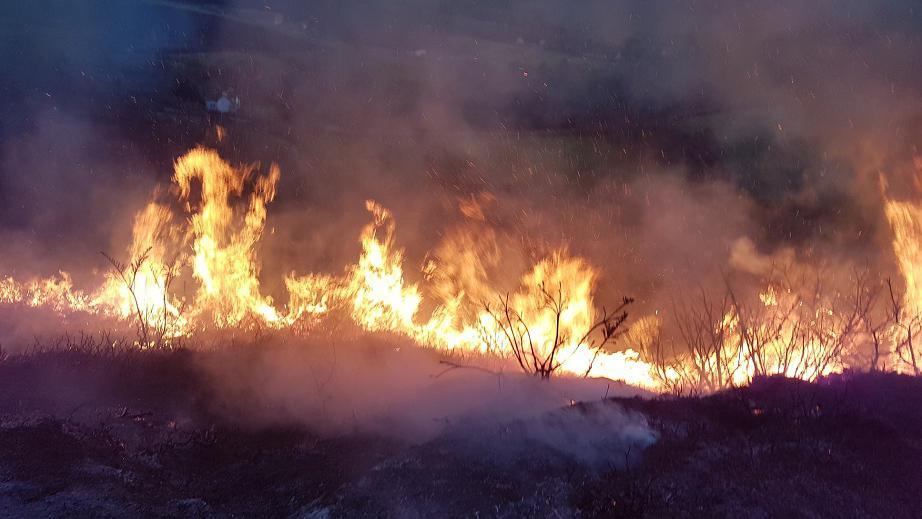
point(223, 243)
point(217, 242)
point(905, 318)
point(56, 292)
point(905, 220)
point(548, 322)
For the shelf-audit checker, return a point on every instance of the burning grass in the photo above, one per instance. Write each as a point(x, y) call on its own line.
point(194, 270)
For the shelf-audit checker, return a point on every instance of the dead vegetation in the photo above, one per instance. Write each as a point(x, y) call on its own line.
point(801, 325)
point(904, 326)
point(157, 326)
point(541, 355)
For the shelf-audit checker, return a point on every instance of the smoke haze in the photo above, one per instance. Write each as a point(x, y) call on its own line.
point(672, 145)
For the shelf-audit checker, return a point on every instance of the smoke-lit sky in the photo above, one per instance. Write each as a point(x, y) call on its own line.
point(646, 135)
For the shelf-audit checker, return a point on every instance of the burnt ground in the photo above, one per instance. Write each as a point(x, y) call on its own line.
point(142, 434)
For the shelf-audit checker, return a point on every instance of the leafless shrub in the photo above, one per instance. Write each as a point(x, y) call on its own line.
point(800, 326)
point(669, 366)
point(768, 327)
point(713, 346)
point(542, 357)
point(831, 322)
point(876, 326)
point(906, 325)
point(156, 326)
point(804, 324)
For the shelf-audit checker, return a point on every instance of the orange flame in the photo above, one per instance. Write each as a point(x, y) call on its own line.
point(216, 243)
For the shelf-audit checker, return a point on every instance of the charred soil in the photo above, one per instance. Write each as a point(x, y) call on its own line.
point(141, 434)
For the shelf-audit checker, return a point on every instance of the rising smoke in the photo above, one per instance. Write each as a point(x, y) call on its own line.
point(673, 147)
